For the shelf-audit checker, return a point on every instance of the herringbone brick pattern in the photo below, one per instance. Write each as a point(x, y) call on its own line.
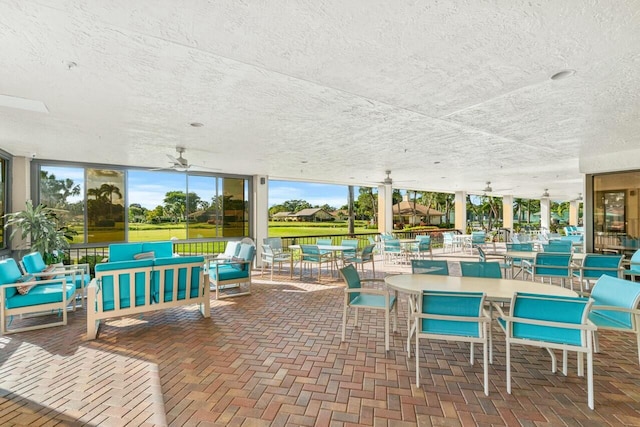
point(275, 358)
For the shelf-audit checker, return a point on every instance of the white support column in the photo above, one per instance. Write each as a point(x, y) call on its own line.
point(545, 213)
point(385, 208)
point(261, 213)
point(20, 192)
point(507, 212)
point(574, 211)
point(461, 211)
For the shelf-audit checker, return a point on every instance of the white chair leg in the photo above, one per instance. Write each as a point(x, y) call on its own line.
point(344, 318)
point(486, 368)
point(417, 360)
point(508, 367)
point(590, 380)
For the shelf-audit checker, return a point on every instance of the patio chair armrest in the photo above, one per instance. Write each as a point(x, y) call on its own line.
point(369, 291)
point(585, 327)
point(615, 308)
point(484, 319)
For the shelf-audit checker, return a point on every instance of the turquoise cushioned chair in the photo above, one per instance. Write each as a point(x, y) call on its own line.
point(310, 254)
point(615, 307)
point(596, 265)
point(356, 296)
point(550, 265)
point(47, 295)
point(454, 316)
point(366, 256)
point(550, 322)
point(78, 274)
point(237, 271)
point(270, 258)
point(515, 262)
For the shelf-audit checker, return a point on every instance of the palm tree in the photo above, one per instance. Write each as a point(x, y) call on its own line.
point(109, 190)
point(519, 204)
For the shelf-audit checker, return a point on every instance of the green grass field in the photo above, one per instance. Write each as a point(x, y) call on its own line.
point(153, 232)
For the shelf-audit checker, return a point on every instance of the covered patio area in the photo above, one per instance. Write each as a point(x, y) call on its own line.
point(275, 358)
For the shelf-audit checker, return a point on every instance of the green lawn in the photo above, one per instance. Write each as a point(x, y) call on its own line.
point(154, 232)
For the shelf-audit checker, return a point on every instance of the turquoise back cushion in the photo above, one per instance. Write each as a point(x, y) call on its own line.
point(160, 249)
point(462, 304)
point(123, 251)
point(9, 273)
point(33, 262)
point(570, 310)
point(615, 292)
point(169, 277)
point(125, 271)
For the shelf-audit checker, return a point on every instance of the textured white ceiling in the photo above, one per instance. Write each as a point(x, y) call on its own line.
point(332, 91)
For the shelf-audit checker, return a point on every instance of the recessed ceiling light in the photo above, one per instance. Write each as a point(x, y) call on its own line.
point(23, 104)
point(304, 161)
point(71, 64)
point(196, 124)
point(563, 74)
point(436, 162)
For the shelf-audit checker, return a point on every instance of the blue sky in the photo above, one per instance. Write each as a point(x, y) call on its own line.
point(150, 193)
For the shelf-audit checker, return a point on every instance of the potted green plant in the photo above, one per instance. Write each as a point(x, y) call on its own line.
point(40, 228)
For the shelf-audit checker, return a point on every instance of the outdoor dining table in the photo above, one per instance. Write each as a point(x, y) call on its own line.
point(495, 290)
point(334, 249)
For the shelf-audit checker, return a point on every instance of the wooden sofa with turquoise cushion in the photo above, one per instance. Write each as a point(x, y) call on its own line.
point(233, 273)
point(142, 277)
point(23, 294)
point(77, 274)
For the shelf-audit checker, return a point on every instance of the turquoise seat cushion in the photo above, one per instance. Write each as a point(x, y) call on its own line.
point(123, 269)
point(160, 249)
point(81, 280)
point(377, 301)
point(227, 272)
point(9, 273)
point(169, 279)
point(123, 251)
point(46, 293)
point(33, 263)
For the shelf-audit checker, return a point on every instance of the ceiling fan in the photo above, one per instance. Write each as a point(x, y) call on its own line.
point(388, 181)
point(488, 189)
point(181, 164)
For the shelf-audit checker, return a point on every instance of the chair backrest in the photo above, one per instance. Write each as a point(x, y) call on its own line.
point(455, 304)
point(246, 252)
point(481, 269)
point(9, 273)
point(275, 243)
point(33, 263)
point(447, 237)
point(352, 243)
point(367, 253)
point(267, 252)
point(424, 242)
point(552, 264)
point(352, 279)
point(232, 249)
point(323, 242)
point(550, 308)
point(310, 253)
point(558, 246)
point(612, 291)
point(372, 240)
point(521, 247)
point(478, 237)
point(426, 266)
point(392, 245)
point(635, 261)
point(596, 265)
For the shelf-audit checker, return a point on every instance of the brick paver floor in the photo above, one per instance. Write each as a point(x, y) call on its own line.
point(275, 358)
